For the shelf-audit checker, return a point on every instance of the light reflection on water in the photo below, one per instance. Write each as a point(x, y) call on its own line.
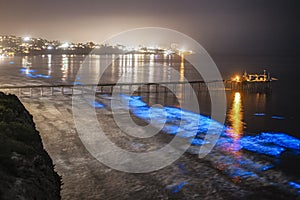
point(65, 67)
point(181, 76)
point(49, 64)
point(27, 70)
point(62, 69)
point(235, 116)
point(236, 121)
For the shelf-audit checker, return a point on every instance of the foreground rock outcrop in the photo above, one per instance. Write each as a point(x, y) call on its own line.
point(26, 169)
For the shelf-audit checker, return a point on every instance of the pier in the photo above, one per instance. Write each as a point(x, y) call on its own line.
point(127, 88)
point(261, 87)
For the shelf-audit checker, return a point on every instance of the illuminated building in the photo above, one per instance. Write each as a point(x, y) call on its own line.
point(256, 77)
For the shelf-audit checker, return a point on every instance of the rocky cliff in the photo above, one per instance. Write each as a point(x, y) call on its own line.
point(26, 169)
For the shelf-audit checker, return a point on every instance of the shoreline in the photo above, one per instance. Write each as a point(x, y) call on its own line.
point(187, 178)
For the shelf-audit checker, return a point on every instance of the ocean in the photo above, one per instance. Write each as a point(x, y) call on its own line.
point(275, 111)
point(266, 125)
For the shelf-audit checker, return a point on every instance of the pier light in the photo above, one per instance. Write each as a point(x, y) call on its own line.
point(237, 78)
point(182, 50)
point(237, 98)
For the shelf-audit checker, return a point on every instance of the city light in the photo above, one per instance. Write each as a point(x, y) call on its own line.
point(26, 39)
point(168, 52)
point(65, 45)
point(11, 45)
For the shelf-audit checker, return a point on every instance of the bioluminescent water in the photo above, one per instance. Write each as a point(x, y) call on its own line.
point(278, 117)
point(272, 144)
point(259, 114)
point(77, 83)
point(24, 70)
point(30, 73)
point(182, 168)
point(230, 156)
point(272, 117)
point(96, 104)
point(295, 185)
point(177, 187)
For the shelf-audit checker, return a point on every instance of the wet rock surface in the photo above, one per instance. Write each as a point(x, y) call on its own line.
point(189, 177)
point(26, 170)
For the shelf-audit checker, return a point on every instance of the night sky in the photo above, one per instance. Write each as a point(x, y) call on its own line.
point(222, 27)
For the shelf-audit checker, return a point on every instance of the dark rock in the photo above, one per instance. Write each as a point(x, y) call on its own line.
point(26, 169)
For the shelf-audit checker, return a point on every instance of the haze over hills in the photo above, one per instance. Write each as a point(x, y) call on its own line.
point(232, 28)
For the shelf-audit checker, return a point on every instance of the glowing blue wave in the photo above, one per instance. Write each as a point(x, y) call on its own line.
point(278, 117)
point(295, 186)
point(177, 120)
point(229, 157)
point(24, 70)
point(77, 83)
point(176, 188)
point(259, 114)
point(29, 73)
point(96, 104)
point(273, 117)
point(187, 124)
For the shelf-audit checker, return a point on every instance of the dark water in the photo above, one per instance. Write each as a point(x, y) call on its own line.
point(248, 114)
point(275, 112)
point(283, 101)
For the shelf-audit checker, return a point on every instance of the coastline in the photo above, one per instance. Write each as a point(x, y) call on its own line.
point(187, 178)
